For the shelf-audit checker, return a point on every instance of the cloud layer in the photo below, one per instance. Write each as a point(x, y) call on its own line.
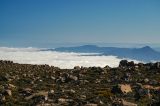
point(59, 59)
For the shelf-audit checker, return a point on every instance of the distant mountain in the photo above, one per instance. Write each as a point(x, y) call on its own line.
point(157, 49)
point(146, 53)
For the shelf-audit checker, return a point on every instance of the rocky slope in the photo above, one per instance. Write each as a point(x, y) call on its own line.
point(129, 84)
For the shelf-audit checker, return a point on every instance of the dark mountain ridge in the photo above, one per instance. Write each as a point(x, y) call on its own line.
point(146, 54)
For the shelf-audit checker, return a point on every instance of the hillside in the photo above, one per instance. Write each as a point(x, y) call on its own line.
point(129, 84)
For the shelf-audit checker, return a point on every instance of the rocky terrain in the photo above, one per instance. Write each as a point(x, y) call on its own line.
point(129, 84)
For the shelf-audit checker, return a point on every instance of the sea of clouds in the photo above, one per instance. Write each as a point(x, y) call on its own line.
point(59, 59)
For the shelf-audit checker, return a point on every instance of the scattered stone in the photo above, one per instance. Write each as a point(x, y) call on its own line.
point(91, 104)
point(41, 93)
point(123, 88)
point(125, 103)
point(3, 78)
point(43, 85)
point(77, 68)
point(63, 100)
point(8, 92)
point(123, 63)
point(146, 80)
point(26, 92)
point(73, 77)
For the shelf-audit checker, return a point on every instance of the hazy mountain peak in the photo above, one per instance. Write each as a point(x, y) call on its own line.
point(89, 46)
point(147, 48)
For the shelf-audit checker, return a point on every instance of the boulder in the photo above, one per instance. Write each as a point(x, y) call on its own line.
point(146, 80)
point(123, 63)
point(41, 93)
point(91, 104)
point(3, 78)
point(125, 88)
point(77, 68)
point(131, 64)
point(25, 92)
point(122, 88)
point(75, 78)
point(125, 103)
point(157, 65)
point(8, 92)
point(11, 86)
point(63, 100)
point(2, 98)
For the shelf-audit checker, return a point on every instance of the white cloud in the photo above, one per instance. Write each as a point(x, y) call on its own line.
point(59, 59)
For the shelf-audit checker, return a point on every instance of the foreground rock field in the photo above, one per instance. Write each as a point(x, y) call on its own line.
point(129, 84)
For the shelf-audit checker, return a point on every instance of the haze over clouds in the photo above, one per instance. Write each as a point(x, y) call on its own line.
point(59, 59)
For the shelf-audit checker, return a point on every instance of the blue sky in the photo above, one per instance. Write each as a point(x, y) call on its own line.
point(44, 22)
